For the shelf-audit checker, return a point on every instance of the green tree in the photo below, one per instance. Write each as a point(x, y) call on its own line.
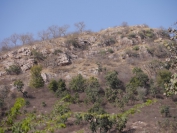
point(113, 81)
point(19, 85)
point(92, 89)
point(103, 122)
point(111, 94)
point(61, 90)
point(53, 85)
point(77, 83)
point(163, 76)
point(140, 78)
point(61, 85)
point(36, 78)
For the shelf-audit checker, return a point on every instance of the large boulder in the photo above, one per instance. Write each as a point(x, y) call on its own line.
point(26, 64)
point(47, 76)
point(25, 51)
point(63, 59)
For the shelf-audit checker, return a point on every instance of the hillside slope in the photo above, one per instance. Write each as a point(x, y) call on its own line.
point(90, 54)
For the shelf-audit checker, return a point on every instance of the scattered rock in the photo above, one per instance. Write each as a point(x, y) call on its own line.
point(138, 125)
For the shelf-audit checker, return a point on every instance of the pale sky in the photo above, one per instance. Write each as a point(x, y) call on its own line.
point(32, 16)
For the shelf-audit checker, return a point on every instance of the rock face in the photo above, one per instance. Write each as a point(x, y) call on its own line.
point(47, 76)
point(63, 59)
point(25, 51)
point(44, 76)
point(26, 64)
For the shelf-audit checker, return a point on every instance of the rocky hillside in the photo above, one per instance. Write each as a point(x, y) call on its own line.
point(94, 54)
point(116, 48)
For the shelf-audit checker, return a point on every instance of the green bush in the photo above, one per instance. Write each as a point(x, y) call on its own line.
point(57, 51)
point(136, 48)
point(140, 78)
point(131, 35)
point(61, 91)
point(111, 94)
point(108, 40)
point(36, 78)
point(92, 89)
point(149, 33)
point(163, 77)
point(44, 104)
point(142, 92)
point(37, 55)
point(165, 110)
point(110, 50)
point(112, 80)
point(58, 87)
point(73, 42)
point(77, 83)
point(53, 85)
point(13, 69)
point(19, 85)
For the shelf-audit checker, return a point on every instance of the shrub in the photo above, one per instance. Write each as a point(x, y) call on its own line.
point(102, 52)
point(44, 104)
point(131, 35)
point(165, 110)
point(140, 78)
point(36, 78)
point(77, 83)
point(149, 33)
point(13, 69)
point(37, 55)
point(136, 48)
point(53, 85)
point(131, 53)
point(108, 40)
point(61, 91)
point(110, 50)
point(57, 51)
point(19, 85)
point(72, 41)
point(142, 92)
point(92, 89)
point(111, 94)
point(150, 50)
point(112, 80)
point(163, 76)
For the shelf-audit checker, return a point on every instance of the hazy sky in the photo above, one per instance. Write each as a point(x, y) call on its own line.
point(22, 16)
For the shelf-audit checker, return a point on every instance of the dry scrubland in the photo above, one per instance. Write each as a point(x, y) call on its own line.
point(112, 81)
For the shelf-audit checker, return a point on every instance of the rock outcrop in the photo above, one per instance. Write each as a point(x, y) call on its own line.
point(63, 59)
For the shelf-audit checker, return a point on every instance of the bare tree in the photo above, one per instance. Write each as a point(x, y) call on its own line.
point(14, 38)
point(26, 38)
point(80, 26)
point(44, 35)
point(5, 44)
point(124, 24)
point(62, 30)
point(53, 30)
